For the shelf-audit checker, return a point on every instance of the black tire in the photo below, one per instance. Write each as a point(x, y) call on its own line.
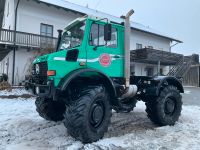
point(50, 110)
point(88, 117)
point(165, 109)
point(126, 105)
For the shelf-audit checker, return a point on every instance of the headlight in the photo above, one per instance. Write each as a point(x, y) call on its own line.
point(37, 69)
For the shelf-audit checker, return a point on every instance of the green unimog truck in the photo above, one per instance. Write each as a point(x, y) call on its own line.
point(88, 75)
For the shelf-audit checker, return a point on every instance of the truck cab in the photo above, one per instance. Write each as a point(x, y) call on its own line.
point(83, 45)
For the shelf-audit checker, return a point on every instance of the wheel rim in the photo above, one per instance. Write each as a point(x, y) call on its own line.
point(169, 106)
point(97, 114)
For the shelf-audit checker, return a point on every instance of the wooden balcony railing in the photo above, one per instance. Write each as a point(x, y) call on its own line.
point(26, 39)
point(152, 56)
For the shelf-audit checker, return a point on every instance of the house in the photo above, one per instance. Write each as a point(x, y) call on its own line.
point(27, 26)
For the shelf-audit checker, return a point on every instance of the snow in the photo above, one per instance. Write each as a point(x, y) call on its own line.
point(14, 92)
point(21, 128)
point(187, 92)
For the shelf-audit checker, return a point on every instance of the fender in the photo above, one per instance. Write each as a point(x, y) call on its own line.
point(167, 80)
point(76, 73)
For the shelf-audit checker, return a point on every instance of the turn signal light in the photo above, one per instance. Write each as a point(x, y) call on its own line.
point(51, 73)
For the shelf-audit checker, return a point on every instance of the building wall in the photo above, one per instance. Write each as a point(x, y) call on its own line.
point(6, 65)
point(24, 58)
point(140, 69)
point(23, 62)
point(32, 14)
point(9, 15)
point(146, 40)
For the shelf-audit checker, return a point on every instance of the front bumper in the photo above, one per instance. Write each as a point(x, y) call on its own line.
point(43, 91)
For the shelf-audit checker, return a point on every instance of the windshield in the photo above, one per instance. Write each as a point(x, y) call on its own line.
point(73, 36)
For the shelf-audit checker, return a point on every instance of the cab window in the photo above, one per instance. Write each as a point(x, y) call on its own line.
point(97, 36)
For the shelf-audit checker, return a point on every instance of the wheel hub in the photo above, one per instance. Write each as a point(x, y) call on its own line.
point(169, 106)
point(97, 115)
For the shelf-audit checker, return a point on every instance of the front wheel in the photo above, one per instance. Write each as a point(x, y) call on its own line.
point(50, 110)
point(88, 117)
point(165, 109)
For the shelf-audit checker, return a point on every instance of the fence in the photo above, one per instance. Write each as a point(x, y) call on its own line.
point(192, 78)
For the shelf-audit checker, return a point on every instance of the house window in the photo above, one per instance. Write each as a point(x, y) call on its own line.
point(150, 47)
point(46, 30)
point(47, 33)
point(138, 46)
point(97, 36)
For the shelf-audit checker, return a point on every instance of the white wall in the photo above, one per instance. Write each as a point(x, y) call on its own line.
point(23, 61)
point(4, 64)
point(9, 15)
point(140, 69)
point(146, 40)
point(32, 14)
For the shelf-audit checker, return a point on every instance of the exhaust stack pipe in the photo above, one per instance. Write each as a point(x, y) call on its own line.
point(131, 90)
point(127, 47)
point(59, 39)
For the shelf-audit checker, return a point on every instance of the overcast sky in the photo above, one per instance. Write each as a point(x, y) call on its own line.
point(177, 18)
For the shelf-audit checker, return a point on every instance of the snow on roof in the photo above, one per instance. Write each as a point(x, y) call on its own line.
point(89, 11)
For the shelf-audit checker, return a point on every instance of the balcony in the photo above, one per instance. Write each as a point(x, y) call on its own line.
point(10, 39)
point(152, 56)
point(7, 37)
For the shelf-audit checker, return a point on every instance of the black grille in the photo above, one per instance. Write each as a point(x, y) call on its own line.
point(40, 78)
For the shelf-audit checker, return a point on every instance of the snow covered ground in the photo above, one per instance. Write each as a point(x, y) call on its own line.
point(22, 129)
point(16, 92)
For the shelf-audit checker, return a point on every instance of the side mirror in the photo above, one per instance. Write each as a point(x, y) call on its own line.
point(107, 32)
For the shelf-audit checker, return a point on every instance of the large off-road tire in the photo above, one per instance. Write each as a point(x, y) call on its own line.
point(126, 105)
point(50, 110)
point(165, 109)
point(88, 117)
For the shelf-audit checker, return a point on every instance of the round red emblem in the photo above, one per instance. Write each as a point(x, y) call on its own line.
point(105, 60)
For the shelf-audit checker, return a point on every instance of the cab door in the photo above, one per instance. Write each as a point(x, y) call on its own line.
point(105, 56)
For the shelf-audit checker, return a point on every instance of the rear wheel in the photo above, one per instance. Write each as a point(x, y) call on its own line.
point(126, 105)
point(88, 117)
point(49, 109)
point(165, 109)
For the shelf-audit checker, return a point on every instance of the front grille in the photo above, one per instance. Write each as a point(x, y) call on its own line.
point(41, 77)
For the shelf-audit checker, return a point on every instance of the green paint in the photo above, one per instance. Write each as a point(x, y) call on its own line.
point(87, 54)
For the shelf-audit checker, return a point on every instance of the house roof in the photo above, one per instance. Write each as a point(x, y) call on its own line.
point(84, 10)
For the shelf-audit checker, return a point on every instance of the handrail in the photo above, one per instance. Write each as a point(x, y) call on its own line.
point(27, 39)
point(181, 68)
